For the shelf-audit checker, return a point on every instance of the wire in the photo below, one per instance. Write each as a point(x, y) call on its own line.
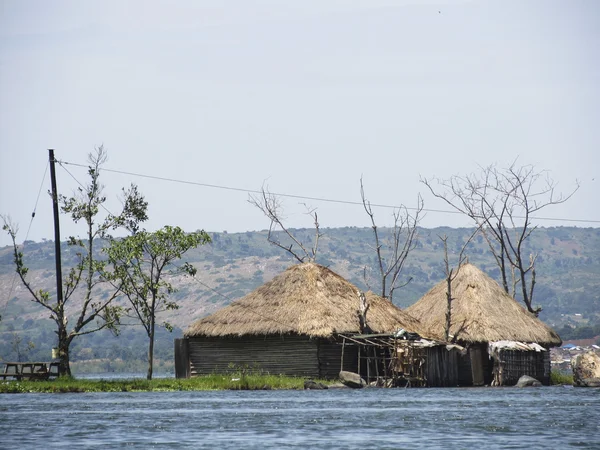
point(60, 163)
point(303, 197)
point(12, 285)
point(253, 191)
point(172, 264)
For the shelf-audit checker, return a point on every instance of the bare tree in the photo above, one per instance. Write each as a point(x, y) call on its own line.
point(272, 207)
point(503, 204)
point(393, 253)
point(451, 274)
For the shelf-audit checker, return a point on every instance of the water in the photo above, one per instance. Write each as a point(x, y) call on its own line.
point(550, 417)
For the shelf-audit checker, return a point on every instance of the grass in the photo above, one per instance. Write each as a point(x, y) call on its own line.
point(558, 378)
point(203, 383)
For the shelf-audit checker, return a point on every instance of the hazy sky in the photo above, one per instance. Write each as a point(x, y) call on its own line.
point(305, 96)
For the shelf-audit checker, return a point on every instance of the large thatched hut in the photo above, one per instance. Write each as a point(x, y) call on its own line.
point(290, 325)
point(482, 314)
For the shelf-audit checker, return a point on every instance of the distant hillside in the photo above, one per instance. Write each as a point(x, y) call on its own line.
point(568, 271)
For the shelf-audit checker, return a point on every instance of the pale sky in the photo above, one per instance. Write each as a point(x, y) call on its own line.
point(306, 96)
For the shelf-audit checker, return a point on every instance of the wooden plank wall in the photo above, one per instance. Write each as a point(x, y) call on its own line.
point(287, 355)
point(182, 359)
point(441, 367)
point(465, 376)
point(330, 357)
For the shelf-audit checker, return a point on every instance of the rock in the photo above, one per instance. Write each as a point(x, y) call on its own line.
point(337, 386)
point(586, 370)
point(352, 379)
point(310, 384)
point(589, 382)
point(527, 381)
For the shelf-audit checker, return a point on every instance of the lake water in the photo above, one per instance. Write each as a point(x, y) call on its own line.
point(548, 417)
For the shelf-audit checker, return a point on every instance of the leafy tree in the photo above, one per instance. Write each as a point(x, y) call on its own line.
point(140, 267)
point(90, 314)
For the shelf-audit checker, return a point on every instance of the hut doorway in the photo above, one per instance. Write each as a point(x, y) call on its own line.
point(476, 355)
point(481, 366)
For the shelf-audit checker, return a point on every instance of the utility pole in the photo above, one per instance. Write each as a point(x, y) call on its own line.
point(62, 352)
point(59, 290)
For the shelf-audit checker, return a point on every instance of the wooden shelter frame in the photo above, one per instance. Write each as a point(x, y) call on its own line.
point(389, 361)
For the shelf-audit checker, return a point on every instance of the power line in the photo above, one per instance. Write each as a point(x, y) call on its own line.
point(12, 285)
point(304, 197)
point(80, 184)
point(172, 264)
point(254, 191)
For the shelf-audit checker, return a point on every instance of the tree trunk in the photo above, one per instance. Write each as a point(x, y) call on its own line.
point(64, 366)
point(151, 348)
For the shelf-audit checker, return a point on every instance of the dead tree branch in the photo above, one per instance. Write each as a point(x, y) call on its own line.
point(451, 274)
point(392, 255)
point(271, 206)
point(502, 203)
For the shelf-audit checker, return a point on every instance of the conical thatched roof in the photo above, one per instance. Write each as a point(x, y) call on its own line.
point(306, 299)
point(481, 312)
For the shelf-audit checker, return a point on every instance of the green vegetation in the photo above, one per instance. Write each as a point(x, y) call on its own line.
point(568, 333)
point(560, 378)
point(240, 381)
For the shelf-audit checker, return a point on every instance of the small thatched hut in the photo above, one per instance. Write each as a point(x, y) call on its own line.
point(483, 313)
point(290, 325)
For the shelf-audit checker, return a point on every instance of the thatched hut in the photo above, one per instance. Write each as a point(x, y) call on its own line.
point(290, 325)
point(483, 313)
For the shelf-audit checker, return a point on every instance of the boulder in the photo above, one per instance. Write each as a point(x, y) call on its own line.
point(337, 385)
point(352, 379)
point(310, 384)
point(527, 381)
point(589, 382)
point(586, 370)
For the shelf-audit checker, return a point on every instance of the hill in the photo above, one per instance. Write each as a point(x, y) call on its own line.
point(568, 278)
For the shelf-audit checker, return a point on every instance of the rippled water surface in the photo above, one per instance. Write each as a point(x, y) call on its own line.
point(550, 417)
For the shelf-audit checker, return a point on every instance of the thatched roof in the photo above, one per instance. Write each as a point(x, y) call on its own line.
point(306, 299)
point(481, 312)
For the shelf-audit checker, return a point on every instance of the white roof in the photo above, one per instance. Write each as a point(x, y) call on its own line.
point(515, 345)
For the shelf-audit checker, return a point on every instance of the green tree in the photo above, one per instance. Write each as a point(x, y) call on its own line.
point(90, 314)
point(141, 264)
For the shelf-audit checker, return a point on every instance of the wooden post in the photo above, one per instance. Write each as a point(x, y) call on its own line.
point(62, 333)
point(342, 359)
point(476, 365)
point(59, 290)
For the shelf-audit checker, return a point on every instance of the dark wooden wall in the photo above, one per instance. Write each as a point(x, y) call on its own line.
point(182, 359)
point(330, 357)
point(291, 355)
point(441, 366)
